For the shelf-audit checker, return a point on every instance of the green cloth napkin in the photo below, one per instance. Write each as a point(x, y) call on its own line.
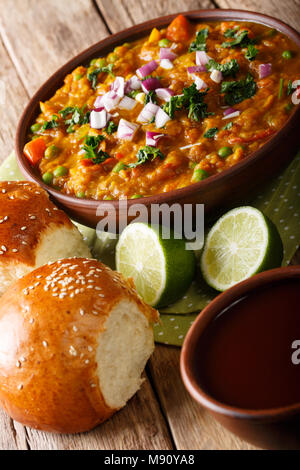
point(279, 200)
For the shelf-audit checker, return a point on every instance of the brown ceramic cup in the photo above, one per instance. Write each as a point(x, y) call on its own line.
point(278, 428)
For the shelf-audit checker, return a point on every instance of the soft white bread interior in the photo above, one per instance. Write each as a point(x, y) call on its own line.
point(74, 340)
point(32, 232)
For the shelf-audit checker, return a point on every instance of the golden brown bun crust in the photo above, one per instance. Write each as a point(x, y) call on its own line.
point(49, 324)
point(25, 212)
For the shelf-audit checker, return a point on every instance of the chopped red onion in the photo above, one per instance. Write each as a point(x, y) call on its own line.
point(232, 115)
point(152, 138)
point(98, 102)
point(134, 83)
point(110, 100)
point(216, 76)
point(197, 69)
point(126, 130)
point(166, 53)
point(161, 118)
point(264, 70)
point(166, 64)
point(202, 58)
point(164, 93)
point(147, 113)
point(118, 86)
point(150, 84)
point(229, 111)
point(200, 84)
point(127, 103)
point(98, 118)
point(147, 69)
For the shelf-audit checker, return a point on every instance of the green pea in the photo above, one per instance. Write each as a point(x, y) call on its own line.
point(78, 76)
point(35, 127)
point(51, 152)
point(80, 194)
point(113, 58)
point(93, 61)
point(287, 54)
point(199, 175)
point(164, 42)
point(60, 171)
point(224, 152)
point(136, 196)
point(47, 177)
point(118, 167)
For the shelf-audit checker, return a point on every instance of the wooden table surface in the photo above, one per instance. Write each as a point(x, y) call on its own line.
point(37, 37)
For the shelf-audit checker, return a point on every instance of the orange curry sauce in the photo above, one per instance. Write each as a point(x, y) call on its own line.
point(197, 141)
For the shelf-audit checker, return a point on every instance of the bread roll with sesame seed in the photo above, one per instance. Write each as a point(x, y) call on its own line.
point(74, 340)
point(32, 231)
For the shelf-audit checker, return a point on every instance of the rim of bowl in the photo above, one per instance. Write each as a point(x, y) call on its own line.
point(203, 320)
point(55, 81)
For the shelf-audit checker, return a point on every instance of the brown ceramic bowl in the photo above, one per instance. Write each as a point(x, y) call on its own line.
point(227, 187)
point(277, 428)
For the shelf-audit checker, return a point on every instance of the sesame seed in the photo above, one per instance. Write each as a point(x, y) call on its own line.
point(82, 312)
point(3, 247)
point(98, 288)
point(23, 228)
point(20, 387)
point(1, 252)
point(32, 217)
point(31, 320)
point(87, 361)
point(39, 276)
point(24, 243)
point(14, 250)
point(75, 328)
point(93, 385)
point(3, 191)
point(45, 344)
point(22, 359)
point(18, 364)
point(94, 312)
point(25, 292)
point(90, 349)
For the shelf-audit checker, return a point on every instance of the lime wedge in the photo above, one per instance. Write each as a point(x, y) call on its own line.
point(161, 269)
point(242, 243)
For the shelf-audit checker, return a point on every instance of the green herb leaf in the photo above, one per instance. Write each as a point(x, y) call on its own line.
point(91, 144)
point(280, 88)
point(200, 42)
point(151, 97)
point(210, 133)
point(111, 128)
point(194, 102)
point(289, 88)
point(50, 124)
point(228, 126)
point(252, 52)
point(236, 92)
point(76, 116)
point(229, 68)
point(230, 33)
point(145, 154)
point(93, 76)
point(241, 39)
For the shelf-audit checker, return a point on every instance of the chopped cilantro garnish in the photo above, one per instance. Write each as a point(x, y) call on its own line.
point(230, 32)
point(200, 42)
point(280, 88)
point(191, 99)
point(240, 39)
point(93, 76)
point(111, 128)
point(238, 91)
point(210, 133)
point(145, 154)
point(228, 68)
point(252, 52)
point(228, 126)
point(76, 116)
point(289, 88)
point(151, 97)
point(50, 124)
point(90, 147)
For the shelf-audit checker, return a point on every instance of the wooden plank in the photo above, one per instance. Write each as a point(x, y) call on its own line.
point(287, 10)
point(60, 30)
point(191, 426)
point(52, 31)
point(13, 98)
point(138, 426)
point(120, 14)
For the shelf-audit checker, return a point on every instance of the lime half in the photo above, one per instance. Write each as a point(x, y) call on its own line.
point(242, 243)
point(161, 269)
